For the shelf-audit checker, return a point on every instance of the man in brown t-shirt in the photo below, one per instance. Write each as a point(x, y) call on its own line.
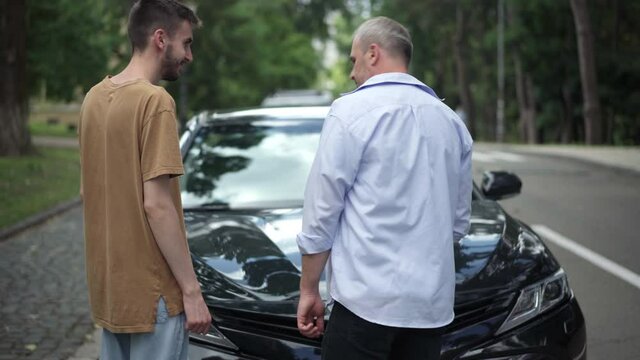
point(141, 281)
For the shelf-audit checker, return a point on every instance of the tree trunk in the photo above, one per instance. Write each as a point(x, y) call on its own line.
point(522, 104)
point(566, 131)
point(441, 68)
point(460, 50)
point(526, 102)
point(588, 76)
point(616, 26)
point(530, 118)
point(14, 136)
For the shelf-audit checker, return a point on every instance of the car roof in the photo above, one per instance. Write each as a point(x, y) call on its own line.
point(294, 112)
point(298, 97)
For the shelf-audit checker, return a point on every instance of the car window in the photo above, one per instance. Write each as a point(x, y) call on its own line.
point(251, 163)
point(256, 163)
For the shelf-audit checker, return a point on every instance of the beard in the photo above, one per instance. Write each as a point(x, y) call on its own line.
point(170, 66)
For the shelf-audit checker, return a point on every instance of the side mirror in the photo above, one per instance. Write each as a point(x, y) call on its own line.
point(498, 185)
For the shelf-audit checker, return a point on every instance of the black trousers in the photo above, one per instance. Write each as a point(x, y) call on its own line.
point(348, 336)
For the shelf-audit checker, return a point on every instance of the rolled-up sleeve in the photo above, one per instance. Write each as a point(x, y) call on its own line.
point(332, 174)
point(465, 186)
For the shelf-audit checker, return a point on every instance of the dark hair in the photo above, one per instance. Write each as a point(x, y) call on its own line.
point(148, 15)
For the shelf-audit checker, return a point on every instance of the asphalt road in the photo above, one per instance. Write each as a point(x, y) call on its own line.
point(594, 208)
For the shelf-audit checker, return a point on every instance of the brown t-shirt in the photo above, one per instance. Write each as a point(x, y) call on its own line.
point(128, 134)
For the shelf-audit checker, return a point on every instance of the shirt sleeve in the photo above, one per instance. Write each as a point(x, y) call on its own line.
point(465, 186)
point(332, 174)
point(160, 149)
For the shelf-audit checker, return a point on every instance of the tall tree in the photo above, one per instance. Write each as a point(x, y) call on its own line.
point(545, 70)
point(618, 42)
point(588, 75)
point(460, 50)
point(14, 137)
point(525, 94)
point(525, 90)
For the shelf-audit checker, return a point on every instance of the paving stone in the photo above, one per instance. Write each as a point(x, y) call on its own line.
point(48, 345)
point(45, 301)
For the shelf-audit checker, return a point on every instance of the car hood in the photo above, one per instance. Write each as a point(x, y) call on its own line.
point(250, 259)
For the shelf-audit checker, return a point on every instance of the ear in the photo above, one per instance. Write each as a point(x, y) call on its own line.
point(373, 54)
point(159, 39)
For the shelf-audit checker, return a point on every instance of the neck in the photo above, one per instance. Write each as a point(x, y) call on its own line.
point(141, 66)
point(391, 68)
point(389, 65)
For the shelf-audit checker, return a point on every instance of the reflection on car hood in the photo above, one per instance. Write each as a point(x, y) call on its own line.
point(247, 258)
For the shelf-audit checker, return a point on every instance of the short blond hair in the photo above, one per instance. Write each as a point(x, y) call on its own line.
point(388, 34)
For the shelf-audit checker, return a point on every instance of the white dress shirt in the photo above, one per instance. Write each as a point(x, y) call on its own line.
point(388, 193)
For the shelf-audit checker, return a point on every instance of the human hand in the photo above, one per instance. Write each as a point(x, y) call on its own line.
point(311, 315)
point(197, 313)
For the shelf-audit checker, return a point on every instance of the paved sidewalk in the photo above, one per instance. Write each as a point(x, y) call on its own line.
point(44, 308)
point(55, 141)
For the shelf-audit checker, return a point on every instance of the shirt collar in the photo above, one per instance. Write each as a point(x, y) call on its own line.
point(394, 78)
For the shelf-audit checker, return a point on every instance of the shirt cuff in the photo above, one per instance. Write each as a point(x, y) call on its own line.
point(310, 244)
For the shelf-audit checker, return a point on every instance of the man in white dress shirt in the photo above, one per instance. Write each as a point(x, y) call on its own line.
point(388, 194)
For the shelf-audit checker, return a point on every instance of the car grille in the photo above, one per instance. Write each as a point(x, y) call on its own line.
point(285, 328)
point(478, 310)
point(279, 327)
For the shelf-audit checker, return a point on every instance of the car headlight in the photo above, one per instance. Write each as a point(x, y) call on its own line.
point(536, 299)
point(214, 337)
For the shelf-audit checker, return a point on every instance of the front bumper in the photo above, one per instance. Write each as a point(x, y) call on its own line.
point(559, 334)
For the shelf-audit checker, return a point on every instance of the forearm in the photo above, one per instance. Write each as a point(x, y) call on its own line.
point(312, 266)
point(463, 207)
point(165, 225)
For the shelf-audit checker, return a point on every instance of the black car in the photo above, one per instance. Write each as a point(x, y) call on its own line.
point(245, 173)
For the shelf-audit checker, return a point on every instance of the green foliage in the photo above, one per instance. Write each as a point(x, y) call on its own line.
point(248, 49)
point(542, 32)
point(245, 50)
point(30, 184)
point(618, 50)
point(41, 128)
point(67, 46)
point(310, 15)
point(338, 74)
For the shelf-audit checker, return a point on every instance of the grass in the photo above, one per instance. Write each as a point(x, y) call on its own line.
point(42, 128)
point(30, 184)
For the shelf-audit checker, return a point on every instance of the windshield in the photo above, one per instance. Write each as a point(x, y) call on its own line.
point(250, 163)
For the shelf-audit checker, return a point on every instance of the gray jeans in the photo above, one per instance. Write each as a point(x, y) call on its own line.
point(168, 341)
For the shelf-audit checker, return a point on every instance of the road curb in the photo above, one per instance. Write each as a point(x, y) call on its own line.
point(584, 160)
point(8, 232)
point(56, 142)
point(623, 159)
